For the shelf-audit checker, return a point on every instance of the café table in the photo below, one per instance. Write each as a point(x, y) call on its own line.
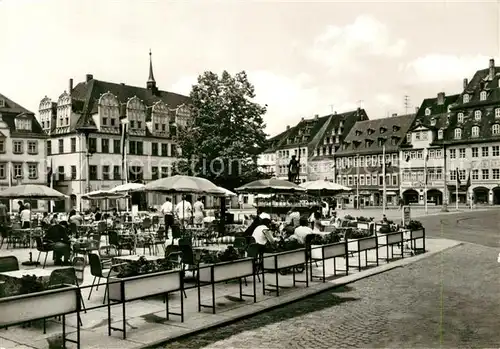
point(18, 274)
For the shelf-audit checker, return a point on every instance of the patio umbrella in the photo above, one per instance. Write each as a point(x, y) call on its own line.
point(101, 195)
point(184, 184)
point(228, 193)
point(32, 191)
point(322, 185)
point(272, 185)
point(127, 187)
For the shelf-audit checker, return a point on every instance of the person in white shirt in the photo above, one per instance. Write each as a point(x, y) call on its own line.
point(325, 210)
point(301, 232)
point(258, 233)
point(168, 213)
point(183, 211)
point(198, 212)
point(25, 216)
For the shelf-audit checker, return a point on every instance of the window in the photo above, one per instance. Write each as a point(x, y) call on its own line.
point(408, 138)
point(475, 131)
point(458, 133)
point(420, 154)
point(432, 154)
point(461, 175)
point(433, 122)
point(424, 135)
point(17, 147)
point(135, 173)
point(484, 151)
point(368, 180)
point(349, 181)
point(93, 172)
point(116, 173)
point(105, 172)
point(73, 172)
point(154, 173)
point(475, 152)
point(477, 115)
point(496, 173)
point(453, 153)
point(361, 180)
point(32, 147)
point(495, 150)
point(461, 153)
point(3, 170)
point(61, 146)
point(440, 134)
point(139, 124)
point(132, 124)
point(164, 171)
point(475, 174)
point(485, 173)
point(439, 153)
point(60, 173)
point(73, 145)
point(117, 146)
point(482, 96)
point(453, 175)
point(139, 148)
point(92, 145)
point(460, 117)
point(2, 146)
point(18, 170)
point(466, 98)
point(380, 180)
point(439, 174)
point(495, 129)
point(497, 112)
point(394, 180)
point(154, 149)
point(427, 111)
point(49, 147)
point(417, 136)
point(164, 150)
point(32, 170)
point(104, 145)
point(135, 147)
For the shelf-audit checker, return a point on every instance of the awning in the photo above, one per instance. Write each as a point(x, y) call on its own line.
point(391, 193)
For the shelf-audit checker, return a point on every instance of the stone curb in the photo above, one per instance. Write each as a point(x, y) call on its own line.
point(323, 287)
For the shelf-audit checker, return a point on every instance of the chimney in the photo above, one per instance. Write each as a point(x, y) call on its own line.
point(302, 119)
point(287, 127)
point(335, 113)
point(316, 116)
point(88, 77)
point(122, 83)
point(70, 87)
point(394, 114)
point(466, 82)
point(440, 98)
point(492, 69)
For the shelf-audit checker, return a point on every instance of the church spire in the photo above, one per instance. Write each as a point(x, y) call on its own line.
point(151, 80)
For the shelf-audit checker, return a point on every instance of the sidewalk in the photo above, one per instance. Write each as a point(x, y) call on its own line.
point(145, 321)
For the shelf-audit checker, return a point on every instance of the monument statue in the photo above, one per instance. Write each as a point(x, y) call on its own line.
point(293, 169)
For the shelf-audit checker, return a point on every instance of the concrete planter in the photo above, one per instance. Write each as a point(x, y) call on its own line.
point(363, 244)
point(211, 273)
point(140, 286)
point(284, 259)
point(323, 252)
point(390, 238)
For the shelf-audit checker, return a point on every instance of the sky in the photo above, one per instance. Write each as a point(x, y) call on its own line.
point(304, 57)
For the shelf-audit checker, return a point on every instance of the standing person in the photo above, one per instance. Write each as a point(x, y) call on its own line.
point(21, 206)
point(3, 214)
point(168, 212)
point(25, 216)
point(198, 212)
point(183, 211)
point(401, 203)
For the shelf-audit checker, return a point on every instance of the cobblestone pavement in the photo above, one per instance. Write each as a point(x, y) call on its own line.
point(449, 300)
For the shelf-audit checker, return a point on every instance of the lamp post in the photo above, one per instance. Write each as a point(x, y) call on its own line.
point(86, 130)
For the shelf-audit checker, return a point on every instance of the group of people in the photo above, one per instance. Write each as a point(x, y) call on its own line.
point(184, 212)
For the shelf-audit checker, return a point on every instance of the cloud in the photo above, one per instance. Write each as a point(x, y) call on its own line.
point(338, 47)
point(442, 68)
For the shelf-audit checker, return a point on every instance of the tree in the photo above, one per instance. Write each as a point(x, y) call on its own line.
point(222, 141)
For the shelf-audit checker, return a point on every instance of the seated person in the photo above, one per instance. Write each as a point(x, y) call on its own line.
point(257, 221)
point(57, 239)
point(75, 217)
point(97, 215)
point(258, 233)
point(317, 225)
point(301, 231)
point(46, 218)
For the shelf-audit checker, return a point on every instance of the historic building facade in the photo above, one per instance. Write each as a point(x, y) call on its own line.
point(422, 153)
point(22, 149)
point(360, 161)
point(473, 139)
point(91, 115)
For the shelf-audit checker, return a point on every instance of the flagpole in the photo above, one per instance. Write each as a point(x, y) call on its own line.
point(456, 190)
point(10, 185)
point(51, 183)
point(383, 180)
point(357, 182)
point(425, 180)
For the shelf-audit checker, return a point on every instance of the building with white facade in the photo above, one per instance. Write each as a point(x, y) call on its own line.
point(97, 109)
point(22, 149)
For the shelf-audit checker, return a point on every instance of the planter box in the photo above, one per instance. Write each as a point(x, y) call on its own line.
point(38, 305)
point(323, 252)
point(390, 238)
point(226, 270)
point(284, 259)
point(141, 286)
point(417, 234)
point(363, 244)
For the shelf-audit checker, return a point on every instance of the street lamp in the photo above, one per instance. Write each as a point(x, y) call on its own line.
point(86, 130)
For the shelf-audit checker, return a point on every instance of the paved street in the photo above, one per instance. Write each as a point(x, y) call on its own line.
point(449, 300)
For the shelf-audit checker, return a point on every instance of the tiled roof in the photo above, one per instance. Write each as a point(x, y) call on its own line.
point(369, 137)
point(438, 111)
point(301, 134)
point(11, 110)
point(274, 141)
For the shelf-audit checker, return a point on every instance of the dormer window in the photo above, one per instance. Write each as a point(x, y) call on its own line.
point(497, 113)
point(427, 111)
point(370, 131)
point(408, 137)
point(2, 103)
point(482, 96)
point(477, 115)
point(23, 124)
point(440, 134)
point(460, 117)
point(475, 131)
point(433, 122)
point(448, 109)
point(466, 98)
point(383, 129)
point(495, 129)
point(458, 133)
point(395, 128)
point(358, 132)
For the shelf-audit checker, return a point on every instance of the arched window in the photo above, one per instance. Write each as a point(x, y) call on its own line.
point(440, 134)
point(466, 98)
point(433, 122)
point(475, 131)
point(482, 96)
point(109, 110)
point(477, 115)
point(427, 111)
point(136, 114)
point(495, 129)
point(460, 117)
point(458, 133)
point(160, 117)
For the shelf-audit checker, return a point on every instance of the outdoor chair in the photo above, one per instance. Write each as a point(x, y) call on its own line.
point(255, 251)
point(159, 239)
point(146, 224)
point(175, 257)
point(73, 230)
point(240, 244)
point(176, 232)
point(4, 235)
point(107, 253)
point(187, 259)
point(42, 248)
point(98, 271)
point(8, 263)
point(120, 244)
point(156, 222)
